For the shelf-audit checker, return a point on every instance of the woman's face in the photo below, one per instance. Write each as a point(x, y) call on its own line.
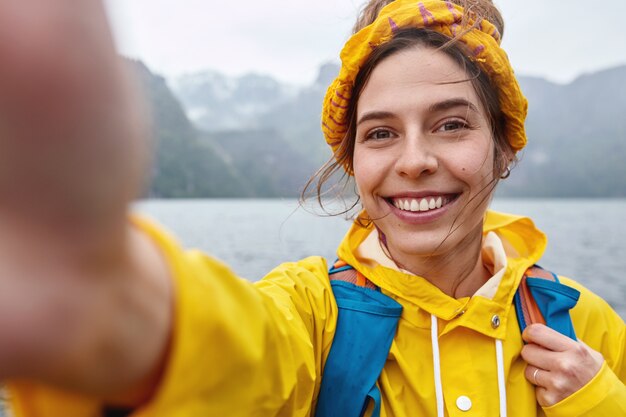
point(423, 156)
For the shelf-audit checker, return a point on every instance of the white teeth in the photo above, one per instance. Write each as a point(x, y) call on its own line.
point(417, 205)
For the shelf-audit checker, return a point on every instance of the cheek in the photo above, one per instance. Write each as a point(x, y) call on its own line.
point(363, 178)
point(473, 163)
point(365, 172)
point(370, 176)
point(372, 161)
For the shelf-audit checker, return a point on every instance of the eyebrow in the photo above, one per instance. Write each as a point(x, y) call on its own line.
point(452, 103)
point(437, 107)
point(375, 115)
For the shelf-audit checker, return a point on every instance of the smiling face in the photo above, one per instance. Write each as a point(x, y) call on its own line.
point(423, 156)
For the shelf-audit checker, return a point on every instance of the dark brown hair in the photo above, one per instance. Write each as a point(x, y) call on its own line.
point(342, 162)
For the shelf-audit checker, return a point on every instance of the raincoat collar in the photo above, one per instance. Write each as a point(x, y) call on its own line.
point(517, 236)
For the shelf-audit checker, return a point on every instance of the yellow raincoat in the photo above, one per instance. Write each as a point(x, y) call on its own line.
point(258, 350)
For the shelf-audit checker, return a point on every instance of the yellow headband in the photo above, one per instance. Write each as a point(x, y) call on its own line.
point(443, 17)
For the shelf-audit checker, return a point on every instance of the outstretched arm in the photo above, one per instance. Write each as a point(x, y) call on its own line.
point(76, 280)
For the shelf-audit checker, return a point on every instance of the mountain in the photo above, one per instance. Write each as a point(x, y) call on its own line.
point(184, 166)
point(576, 138)
point(298, 119)
point(268, 162)
point(576, 131)
point(215, 102)
point(192, 163)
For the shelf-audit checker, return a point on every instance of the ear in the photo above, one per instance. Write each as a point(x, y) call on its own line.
point(505, 161)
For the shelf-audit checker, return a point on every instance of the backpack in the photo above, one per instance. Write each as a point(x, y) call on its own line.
point(365, 315)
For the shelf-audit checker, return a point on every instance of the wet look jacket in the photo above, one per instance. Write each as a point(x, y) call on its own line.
point(241, 349)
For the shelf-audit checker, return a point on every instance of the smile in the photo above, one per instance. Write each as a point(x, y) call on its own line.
point(421, 204)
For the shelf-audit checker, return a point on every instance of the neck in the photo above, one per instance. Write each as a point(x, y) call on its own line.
point(458, 273)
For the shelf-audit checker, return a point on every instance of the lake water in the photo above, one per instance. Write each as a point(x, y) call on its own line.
point(587, 238)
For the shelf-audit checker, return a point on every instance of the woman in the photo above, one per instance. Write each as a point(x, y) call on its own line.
point(427, 116)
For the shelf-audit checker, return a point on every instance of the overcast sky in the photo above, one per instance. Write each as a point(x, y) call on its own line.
point(289, 39)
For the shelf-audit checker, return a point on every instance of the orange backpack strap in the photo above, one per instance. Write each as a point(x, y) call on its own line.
point(529, 306)
point(341, 271)
point(541, 298)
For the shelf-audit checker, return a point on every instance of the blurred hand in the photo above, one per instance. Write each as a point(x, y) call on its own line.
point(72, 129)
point(557, 365)
point(76, 281)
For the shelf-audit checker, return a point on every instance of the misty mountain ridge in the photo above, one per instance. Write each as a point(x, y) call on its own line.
point(216, 102)
point(183, 166)
point(191, 163)
point(267, 134)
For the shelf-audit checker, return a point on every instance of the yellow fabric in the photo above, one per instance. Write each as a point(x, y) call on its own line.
point(28, 399)
point(240, 349)
point(460, 321)
point(236, 350)
point(370, 252)
point(483, 40)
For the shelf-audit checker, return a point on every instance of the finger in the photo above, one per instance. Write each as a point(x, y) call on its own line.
point(540, 378)
point(539, 356)
point(542, 335)
point(535, 375)
point(545, 397)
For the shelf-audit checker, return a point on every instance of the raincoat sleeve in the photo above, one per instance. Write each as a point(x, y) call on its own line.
point(242, 349)
point(597, 324)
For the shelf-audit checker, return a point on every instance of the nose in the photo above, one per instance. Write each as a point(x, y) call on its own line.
point(416, 158)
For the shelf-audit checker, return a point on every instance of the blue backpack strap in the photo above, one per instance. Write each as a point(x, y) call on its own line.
point(366, 325)
point(541, 298)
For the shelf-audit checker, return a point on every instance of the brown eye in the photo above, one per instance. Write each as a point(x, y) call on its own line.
point(379, 134)
point(452, 125)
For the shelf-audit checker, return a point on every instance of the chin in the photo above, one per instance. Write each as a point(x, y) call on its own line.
point(436, 242)
point(419, 244)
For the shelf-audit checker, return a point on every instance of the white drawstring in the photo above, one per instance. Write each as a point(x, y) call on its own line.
point(434, 334)
point(501, 381)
